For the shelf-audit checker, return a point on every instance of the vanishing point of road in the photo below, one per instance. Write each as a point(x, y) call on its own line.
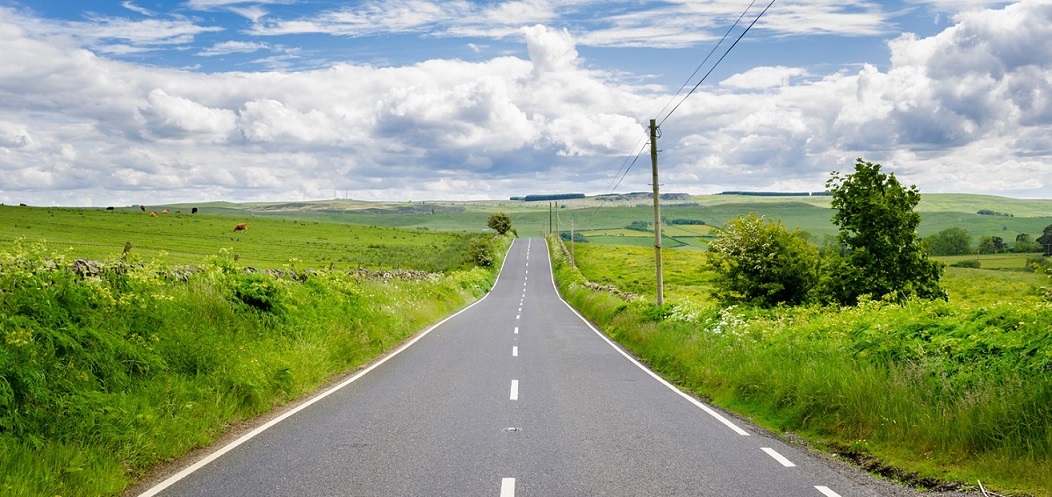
point(516, 395)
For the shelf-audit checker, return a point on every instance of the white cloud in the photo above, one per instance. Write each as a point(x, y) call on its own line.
point(229, 47)
point(759, 78)
point(967, 109)
point(139, 10)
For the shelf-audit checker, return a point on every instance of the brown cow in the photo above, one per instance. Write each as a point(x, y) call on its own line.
point(164, 211)
point(241, 227)
point(153, 214)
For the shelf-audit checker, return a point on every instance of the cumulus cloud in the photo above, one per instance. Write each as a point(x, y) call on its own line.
point(965, 109)
point(759, 78)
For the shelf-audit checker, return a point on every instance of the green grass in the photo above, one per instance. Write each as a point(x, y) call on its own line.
point(182, 238)
point(103, 377)
point(1004, 262)
point(942, 391)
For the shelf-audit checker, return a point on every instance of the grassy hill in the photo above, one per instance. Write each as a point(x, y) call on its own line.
point(601, 221)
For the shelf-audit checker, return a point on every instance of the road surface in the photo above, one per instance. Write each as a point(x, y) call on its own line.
point(514, 396)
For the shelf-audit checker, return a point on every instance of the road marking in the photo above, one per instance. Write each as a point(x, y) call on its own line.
point(520, 309)
point(778, 457)
point(514, 389)
point(515, 351)
point(697, 403)
point(826, 491)
point(518, 316)
point(507, 487)
point(516, 330)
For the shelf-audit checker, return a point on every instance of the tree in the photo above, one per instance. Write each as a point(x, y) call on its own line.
point(1024, 244)
point(878, 228)
point(950, 241)
point(499, 222)
point(1045, 240)
point(987, 245)
point(759, 261)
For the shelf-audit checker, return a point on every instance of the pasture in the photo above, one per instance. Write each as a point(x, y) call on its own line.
point(183, 238)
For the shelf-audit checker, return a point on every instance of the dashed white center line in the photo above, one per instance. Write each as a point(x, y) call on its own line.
point(516, 330)
point(518, 316)
point(514, 389)
point(826, 491)
point(507, 487)
point(778, 457)
point(515, 351)
point(520, 309)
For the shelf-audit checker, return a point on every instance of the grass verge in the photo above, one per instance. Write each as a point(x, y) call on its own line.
point(105, 374)
point(931, 393)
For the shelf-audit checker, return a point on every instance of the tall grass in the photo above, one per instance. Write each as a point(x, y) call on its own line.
point(104, 376)
point(942, 391)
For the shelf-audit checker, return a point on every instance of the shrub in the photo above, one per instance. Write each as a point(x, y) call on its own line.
point(480, 251)
point(968, 263)
point(760, 261)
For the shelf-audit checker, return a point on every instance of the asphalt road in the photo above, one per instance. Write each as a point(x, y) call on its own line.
point(514, 396)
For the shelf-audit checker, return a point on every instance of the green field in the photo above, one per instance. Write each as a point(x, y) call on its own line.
point(810, 214)
point(938, 391)
point(269, 242)
point(105, 375)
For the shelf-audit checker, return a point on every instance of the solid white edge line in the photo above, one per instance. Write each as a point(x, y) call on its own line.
point(514, 390)
point(712, 412)
point(171, 480)
point(778, 457)
point(507, 487)
point(826, 491)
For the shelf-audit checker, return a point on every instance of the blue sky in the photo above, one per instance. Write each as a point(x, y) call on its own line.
point(117, 102)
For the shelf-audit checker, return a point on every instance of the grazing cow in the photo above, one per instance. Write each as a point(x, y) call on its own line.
point(241, 227)
point(164, 211)
point(193, 211)
point(153, 214)
point(142, 207)
point(109, 208)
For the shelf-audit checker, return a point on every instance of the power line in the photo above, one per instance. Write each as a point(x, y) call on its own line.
point(713, 68)
point(644, 139)
point(706, 59)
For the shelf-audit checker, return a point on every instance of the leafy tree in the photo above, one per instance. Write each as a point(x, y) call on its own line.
point(499, 222)
point(761, 262)
point(1045, 240)
point(878, 228)
point(987, 245)
point(950, 241)
point(1025, 244)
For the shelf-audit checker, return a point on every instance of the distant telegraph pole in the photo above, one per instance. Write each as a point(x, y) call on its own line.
point(657, 211)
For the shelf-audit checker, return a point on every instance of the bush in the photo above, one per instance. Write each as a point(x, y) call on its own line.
point(761, 262)
point(480, 251)
point(968, 263)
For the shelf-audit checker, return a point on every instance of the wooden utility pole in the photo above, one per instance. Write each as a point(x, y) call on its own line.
point(657, 211)
point(551, 225)
point(571, 243)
